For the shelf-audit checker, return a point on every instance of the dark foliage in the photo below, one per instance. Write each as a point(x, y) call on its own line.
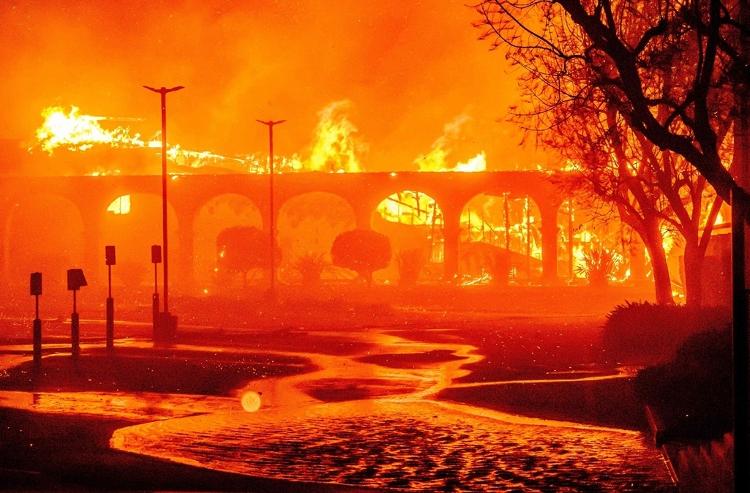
point(310, 268)
point(242, 248)
point(362, 250)
point(693, 393)
point(645, 333)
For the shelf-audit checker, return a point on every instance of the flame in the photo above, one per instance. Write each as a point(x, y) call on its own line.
point(336, 147)
point(77, 132)
point(410, 207)
point(436, 158)
point(667, 238)
point(571, 166)
point(120, 206)
point(476, 164)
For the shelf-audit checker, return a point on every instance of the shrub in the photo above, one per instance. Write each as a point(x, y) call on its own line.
point(598, 265)
point(479, 257)
point(242, 248)
point(693, 392)
point(646, 333)
point(362, 250)
point(310, 267)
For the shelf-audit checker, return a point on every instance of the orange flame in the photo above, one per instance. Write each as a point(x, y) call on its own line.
point(77, 132)
point(436, 158)
point(336, 147)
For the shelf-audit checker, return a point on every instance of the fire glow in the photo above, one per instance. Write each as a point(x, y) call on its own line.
point(336, 146)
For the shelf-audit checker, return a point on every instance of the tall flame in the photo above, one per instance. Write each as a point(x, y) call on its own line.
point(436, 158)
point(336, 147)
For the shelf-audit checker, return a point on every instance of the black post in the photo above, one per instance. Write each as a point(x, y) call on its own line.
point(169, 322)
point(37, 335)
point(76, 280)
point(110, 324)
point(271, 226)
point(110, 259)
point(36, 291)
point(740, 351)
point(75, 332)
point(156, 259)
point(155, 312)
point(164, 229)
point(110, 313)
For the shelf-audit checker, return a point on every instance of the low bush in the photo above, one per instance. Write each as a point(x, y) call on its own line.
point(310, 267)
point(597, 267)
point(646, 333)
point(693, 393)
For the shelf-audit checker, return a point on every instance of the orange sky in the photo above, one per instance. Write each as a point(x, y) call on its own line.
point(407, 67)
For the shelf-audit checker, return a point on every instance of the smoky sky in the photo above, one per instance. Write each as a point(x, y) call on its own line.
point(407, 68)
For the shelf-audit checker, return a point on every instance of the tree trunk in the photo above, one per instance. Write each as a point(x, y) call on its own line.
point(693, 265)
point(662, 281)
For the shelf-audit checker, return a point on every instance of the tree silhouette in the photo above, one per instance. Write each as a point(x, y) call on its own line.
point(672, 70)
point(652, 188)
point(241, 249)
point(363, 251)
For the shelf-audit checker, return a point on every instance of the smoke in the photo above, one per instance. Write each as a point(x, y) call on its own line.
point(407, 67)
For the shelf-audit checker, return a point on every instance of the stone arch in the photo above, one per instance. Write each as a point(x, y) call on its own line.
point(307, 224)
point(414, 222)
point(44, 233)
point(216, 214)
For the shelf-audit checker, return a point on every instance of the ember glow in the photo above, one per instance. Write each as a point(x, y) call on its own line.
point(336, 144)
point(398, 288)
point(76, 132)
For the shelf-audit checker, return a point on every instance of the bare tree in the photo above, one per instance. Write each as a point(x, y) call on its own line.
point(578, 96)
point(653, 191)
point(669, 67)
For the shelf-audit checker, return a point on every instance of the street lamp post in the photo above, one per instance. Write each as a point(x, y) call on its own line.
point(166, 318)
point(271, 226)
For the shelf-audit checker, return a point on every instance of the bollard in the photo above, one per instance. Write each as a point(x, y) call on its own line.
point(155, 259)
point(110, 324)
point(75, 336)
point(76, 280)
point(155, 312)
point(37, 342)
point(110, 259)
point(36, 291)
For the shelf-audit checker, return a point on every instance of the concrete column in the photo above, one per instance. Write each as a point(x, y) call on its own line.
point(451, 234)
point(5, 215)
point(363, 215)
point(549, 241)
point(92, 262)
point(184, 281)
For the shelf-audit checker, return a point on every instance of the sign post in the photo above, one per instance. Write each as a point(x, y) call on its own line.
point(36, 291)
point(110, 259)
point(156, 260)
point(76, 280)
